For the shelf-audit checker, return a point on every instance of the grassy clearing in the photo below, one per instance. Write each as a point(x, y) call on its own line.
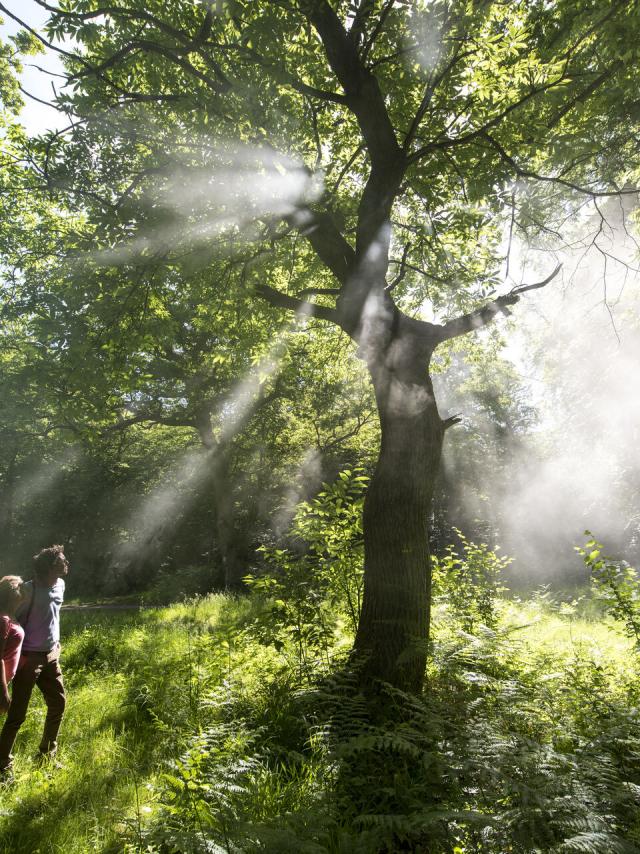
point(135, 682)
point(185, 732)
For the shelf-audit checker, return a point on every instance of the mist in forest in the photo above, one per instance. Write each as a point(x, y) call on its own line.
point(40, 480)
point(234, 192)
point(306, 480)
point(575, 346)
point(156, 516)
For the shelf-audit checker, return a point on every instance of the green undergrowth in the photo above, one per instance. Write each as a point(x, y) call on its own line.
point(190, 729)
point(232, 726)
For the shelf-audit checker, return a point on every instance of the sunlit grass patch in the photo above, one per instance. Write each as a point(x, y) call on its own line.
point(94, 798)
point(561, 635)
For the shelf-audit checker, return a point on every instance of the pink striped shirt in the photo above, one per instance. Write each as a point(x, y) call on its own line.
point(13, 635)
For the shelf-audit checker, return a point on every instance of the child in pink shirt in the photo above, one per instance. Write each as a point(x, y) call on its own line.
point(11, 634)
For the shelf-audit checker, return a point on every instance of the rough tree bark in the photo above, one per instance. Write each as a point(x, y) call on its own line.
point(394, 623)
point(393, 633)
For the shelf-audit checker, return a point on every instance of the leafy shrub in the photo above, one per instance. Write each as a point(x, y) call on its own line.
point(318, 579)
point(616, 584)
point(469, 584)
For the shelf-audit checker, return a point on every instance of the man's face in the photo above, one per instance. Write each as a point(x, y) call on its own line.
point(61, 566)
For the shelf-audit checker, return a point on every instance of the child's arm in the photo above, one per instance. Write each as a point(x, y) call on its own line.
point(4, 692)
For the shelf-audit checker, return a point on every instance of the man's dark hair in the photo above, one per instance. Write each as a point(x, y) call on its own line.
point(45, 559)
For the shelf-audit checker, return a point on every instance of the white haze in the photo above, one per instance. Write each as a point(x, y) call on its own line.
point(306, 480)
point(39, 482)
point(243, 400)
point(239, 188)
point(576, 346)
point(158, 513)
point(588, 473)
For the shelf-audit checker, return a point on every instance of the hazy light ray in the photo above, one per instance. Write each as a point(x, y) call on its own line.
point(244, 398)
point(37, 483)
point(239, 187)
point(306, 479)
point(427, 38)
point(163, 504)
point(181, 484)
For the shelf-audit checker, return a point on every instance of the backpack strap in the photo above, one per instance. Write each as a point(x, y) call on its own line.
point(25, 619)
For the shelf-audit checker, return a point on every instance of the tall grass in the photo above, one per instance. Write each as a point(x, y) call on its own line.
point(136, 683)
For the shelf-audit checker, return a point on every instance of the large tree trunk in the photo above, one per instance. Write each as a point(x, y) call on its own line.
point(391, 641)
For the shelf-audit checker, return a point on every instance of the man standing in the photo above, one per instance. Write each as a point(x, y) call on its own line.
point(40, 660)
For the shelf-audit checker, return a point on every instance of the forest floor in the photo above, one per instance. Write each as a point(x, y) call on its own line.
point(185, 731)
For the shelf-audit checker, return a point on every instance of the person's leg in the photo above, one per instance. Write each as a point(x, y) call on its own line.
point(50, 683)
point(22, 686)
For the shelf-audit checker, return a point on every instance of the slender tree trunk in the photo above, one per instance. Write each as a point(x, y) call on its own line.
point(391, 642)
point(222, 504)
point(227, 534)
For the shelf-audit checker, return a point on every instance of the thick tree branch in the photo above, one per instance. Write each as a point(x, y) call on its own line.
point(299, 306)
point(521, 289)
point(364, 98)
point(484, 315)
point(451, 421)
point(362, 92)
point(475, 319)
point(326, 240)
